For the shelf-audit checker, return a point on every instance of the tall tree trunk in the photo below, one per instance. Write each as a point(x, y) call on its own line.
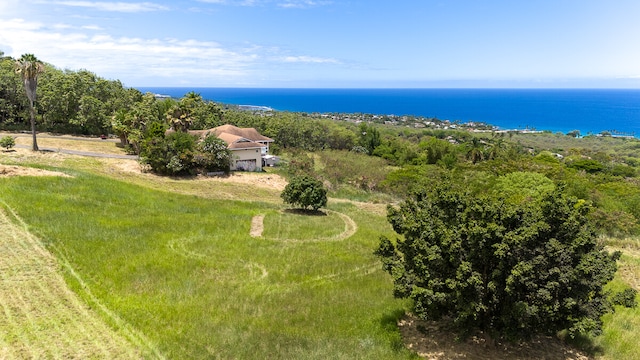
point(32, 110)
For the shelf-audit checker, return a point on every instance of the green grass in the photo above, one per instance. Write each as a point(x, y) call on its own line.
point(620, 333)
point(183, 270)
point(303, 226)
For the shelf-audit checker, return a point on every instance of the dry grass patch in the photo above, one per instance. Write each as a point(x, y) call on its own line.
point(73, 143)
point(14, 170)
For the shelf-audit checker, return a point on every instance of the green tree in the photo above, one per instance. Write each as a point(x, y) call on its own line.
point(305, 191)
point(213, 154)
point(7, 142)
point(574, 133)
point(29, 67)
point(133, 124)
point(170, 155)
point(475, 150)
point(13, 104)
point(508, 269)
point(369, 137)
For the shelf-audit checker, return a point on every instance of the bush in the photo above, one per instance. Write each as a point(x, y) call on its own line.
point(305, 191)
point(178, 153)
point(7, 142)
point(508, 269)
point(213, 155)
point(588, 165)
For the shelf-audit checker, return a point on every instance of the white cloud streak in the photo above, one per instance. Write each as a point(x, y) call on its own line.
point(286, 4)
point(139, 61)
point(309, 59)
point(124, 57)
point(115, 6)
point(302, 4)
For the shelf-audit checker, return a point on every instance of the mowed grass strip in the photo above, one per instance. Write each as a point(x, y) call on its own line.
point(41, 316)
point(184, 270)
point(308, 226)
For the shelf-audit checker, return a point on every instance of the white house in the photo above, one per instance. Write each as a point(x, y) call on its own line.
point(248, 147)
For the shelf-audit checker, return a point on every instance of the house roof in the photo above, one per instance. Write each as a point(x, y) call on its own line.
point(236, 138)
point(238, 142)
point(247, 133)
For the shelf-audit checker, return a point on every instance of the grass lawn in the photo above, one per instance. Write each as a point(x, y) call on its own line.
point(184, 271)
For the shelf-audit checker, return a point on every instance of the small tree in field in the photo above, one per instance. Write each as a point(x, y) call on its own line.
point(7, 142)
point(305, 191)
point(511, 270)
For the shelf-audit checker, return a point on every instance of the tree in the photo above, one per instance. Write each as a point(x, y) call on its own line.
point(132, 125)
point(475, 151)
point(369, 137)
point(7, 142)
point(574, 133)
point(170, 155)
point(12, 101)
point(29, 67)
point(305, 191)
point(508, 269)
point(213, 154)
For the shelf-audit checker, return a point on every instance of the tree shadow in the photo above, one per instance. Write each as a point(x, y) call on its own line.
point(305, 212)
point(441, 337)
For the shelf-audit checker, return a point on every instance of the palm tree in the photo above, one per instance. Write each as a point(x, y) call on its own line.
point(29, 67)
point(475, 150)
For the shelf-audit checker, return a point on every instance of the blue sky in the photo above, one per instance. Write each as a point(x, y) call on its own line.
point(334, 43)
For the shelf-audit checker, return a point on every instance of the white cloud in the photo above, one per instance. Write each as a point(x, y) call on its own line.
point(139, 61)
point(125, 58)
point(301, 4)
point(287, 4)
point(115, 6)
point(92, 27)
point(309, 59)
point(234, 2)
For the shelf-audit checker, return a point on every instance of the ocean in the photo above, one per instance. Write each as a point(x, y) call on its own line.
point(556, 110)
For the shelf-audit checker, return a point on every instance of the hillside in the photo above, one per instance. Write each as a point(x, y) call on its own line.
point(167, 267)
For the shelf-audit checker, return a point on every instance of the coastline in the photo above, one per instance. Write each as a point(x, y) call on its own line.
point(590, 111)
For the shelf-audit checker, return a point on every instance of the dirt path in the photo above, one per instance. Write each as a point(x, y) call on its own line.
point(257, 226)
point(41, 317)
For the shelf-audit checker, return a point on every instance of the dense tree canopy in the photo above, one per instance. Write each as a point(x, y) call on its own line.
point(514, 269)
point(306, 192)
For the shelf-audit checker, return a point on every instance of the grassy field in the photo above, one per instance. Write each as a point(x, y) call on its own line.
point(169, 265)
point(42, 318)
point(184, 270)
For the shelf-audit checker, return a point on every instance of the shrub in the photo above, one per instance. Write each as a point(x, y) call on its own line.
point(508, 269)
point(7, 142)
point(588, 165)
point(213, 154)
point(179, 153)
point(305, 191)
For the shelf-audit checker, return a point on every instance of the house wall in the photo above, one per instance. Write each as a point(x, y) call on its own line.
point(245, 156)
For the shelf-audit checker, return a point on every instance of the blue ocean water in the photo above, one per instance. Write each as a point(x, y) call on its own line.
point(587, 110)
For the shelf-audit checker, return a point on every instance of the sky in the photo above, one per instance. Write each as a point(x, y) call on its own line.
point(334, 43)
